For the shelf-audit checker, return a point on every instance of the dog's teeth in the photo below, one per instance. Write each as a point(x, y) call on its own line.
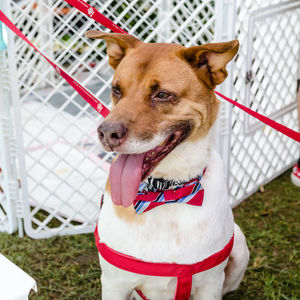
point(153, 153)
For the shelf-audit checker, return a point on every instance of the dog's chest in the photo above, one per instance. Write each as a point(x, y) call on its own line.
point(173, 232)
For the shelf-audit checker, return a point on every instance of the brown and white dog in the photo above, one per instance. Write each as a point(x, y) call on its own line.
point(162, 125)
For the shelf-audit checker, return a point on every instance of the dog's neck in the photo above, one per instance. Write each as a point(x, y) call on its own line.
point(186, 161)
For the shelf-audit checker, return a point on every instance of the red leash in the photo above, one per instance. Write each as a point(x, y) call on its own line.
point(277, 126)
point(86, 95)
point(95, 103)
point(93, 13)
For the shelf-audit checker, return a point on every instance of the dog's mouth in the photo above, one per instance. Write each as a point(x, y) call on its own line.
point(155, 155)
point(129, 170)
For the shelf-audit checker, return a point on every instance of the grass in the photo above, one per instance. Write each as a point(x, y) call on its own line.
point(67, 267)
point(270, 221)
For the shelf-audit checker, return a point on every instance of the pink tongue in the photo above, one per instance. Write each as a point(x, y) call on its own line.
point(125, 178)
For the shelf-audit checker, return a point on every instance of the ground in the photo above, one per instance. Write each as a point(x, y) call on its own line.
point(67, 267)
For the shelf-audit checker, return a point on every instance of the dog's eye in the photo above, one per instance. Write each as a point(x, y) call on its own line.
point(162, 95)
point(116, 92)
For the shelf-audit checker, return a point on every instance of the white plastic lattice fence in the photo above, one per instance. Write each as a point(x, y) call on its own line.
point(265, 78)
point(65, 169)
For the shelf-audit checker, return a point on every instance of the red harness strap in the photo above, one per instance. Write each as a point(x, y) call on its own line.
point(181, 271)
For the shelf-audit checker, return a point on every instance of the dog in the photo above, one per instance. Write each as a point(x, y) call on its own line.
point(162, 127)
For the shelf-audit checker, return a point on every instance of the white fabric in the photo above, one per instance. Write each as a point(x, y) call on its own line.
point(15, 284)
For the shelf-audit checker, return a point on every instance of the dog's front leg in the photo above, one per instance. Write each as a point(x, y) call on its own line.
point(209, 292)
point(111, 291)
point(209, 284)
point(116, 283)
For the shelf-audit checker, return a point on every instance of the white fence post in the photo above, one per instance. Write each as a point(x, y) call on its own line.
point(164, 7)
point(8, 182)
point(225, 18)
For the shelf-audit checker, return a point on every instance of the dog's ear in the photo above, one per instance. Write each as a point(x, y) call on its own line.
point(209, 61)
point(117, 44)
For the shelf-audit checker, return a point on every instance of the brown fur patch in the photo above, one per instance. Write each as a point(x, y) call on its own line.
point(129, 214)
point(157, 63)
point(107, 187)
point(209, 61)
point(188, 74)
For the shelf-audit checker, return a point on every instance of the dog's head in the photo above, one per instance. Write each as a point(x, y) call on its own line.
point(162, 94)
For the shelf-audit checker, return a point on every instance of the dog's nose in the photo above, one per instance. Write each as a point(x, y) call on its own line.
point(111, 134)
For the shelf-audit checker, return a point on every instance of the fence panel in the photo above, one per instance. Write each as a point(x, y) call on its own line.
point(265, 76)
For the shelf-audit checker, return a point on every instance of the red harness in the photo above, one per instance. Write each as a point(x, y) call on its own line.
point(183, 272)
